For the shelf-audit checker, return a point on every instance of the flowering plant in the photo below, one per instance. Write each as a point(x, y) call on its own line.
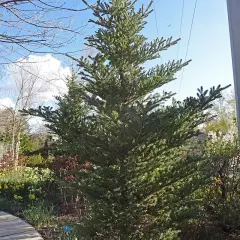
point(25, 184)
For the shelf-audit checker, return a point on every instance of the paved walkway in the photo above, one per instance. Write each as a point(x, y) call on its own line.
point(13, 228)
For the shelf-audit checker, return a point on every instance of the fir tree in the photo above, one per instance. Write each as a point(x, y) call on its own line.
point(66, 119)
point(130, 136)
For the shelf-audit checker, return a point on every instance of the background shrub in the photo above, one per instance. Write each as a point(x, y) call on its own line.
point(36, 161)
point(25, 184)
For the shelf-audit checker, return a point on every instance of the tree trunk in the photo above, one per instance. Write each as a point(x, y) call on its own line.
point(16, 150)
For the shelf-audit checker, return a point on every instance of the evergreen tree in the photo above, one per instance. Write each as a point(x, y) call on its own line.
point(129, 135)
point(65, 120)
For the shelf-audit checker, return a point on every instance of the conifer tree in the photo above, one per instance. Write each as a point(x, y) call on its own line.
point(66, 119)
point(131, 137)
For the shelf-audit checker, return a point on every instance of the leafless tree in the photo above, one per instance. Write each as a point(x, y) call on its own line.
point(37, 26)
point(22, 96)
point(28, 87)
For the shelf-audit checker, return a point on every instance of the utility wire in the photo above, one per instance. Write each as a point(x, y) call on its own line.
point(189, 39)
point(155, 15)
point(180, 30)
point(156, 22)
point(180, 33)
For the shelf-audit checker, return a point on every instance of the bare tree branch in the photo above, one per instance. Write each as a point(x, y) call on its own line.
point(4, 3)
point(38, 26)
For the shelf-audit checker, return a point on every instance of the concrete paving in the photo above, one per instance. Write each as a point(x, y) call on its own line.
point(14, 228)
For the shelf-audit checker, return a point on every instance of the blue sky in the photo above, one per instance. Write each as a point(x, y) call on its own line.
point(209, 47)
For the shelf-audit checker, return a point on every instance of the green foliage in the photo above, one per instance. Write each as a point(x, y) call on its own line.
point(36, 160)
point(140, 185)
point(39, 215)
point(12, 206)
point(67, 120)
point(26, 144)
point(218, 211)
point(29, 143)
point(25, 184)
point(225, 121)
point(223, 196)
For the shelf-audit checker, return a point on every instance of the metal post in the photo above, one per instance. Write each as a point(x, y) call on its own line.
point(233, 7)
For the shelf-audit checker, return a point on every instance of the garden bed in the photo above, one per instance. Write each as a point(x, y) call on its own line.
point(35, 195)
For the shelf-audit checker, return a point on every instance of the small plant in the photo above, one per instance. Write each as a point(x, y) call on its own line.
point(39, 215)
point(36, 160)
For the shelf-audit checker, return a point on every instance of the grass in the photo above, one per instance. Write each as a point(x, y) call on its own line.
point(39, 215)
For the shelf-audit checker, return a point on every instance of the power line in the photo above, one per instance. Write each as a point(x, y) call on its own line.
point(155, 15)
point(180, 33)
point(189, 39)
point(180, 30)
point(156, 22)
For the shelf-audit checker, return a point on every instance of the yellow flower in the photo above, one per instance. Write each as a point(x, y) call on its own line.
point(5, 186)
point(31, 196)
point(17, 197)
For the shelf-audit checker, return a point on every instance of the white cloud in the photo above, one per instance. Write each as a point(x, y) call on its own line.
point(36, 123)
point(34, 81)
point(44, 75)
point(6, 103)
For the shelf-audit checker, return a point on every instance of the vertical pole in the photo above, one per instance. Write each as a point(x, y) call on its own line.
point(233, 7)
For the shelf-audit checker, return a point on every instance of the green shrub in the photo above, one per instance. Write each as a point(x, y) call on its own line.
point(36, 160)
point(25, 184)
point(30, 143)
point(220, 202)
